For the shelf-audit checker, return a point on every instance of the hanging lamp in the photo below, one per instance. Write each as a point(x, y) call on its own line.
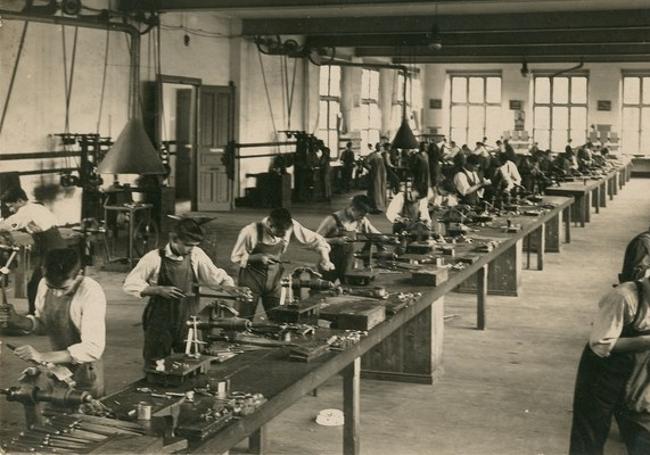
point(404, 138)
point(132, 152)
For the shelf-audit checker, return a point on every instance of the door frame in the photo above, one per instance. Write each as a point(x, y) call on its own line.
point(196, 83)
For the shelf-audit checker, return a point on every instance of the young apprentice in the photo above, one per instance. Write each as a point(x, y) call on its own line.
point(38, 221)
point(71, 310)
point(407, 208)
point(348, 159)
point(342, 225)
point(258, 253)
point(169, 277)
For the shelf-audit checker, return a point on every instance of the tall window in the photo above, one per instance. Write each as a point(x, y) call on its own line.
point(370, 116)
point(413, 101)
point(475, 109)
point(330, 107)
point(560, 111)
point(636, 115)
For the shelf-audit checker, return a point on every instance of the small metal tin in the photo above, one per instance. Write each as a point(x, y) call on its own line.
point(144, 410)
point(220, 387)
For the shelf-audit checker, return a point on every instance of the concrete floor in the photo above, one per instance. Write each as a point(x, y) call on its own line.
point(507, 390)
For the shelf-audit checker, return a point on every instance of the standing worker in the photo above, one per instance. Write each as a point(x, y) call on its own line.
point(348, 159)
point(71, 310)
point(341, 226)
point(258, 252)
point(38, 221)
point(612, 379)
point(170, 277)
point(376, 181)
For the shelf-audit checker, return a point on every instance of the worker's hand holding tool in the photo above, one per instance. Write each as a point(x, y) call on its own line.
point(169, 292)
point(28, 353)
point(263, 259)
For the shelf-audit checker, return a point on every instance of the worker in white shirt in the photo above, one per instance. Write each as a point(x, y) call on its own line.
point(40, 223)
point(509, 171)
point(258, 252)
point(71, 310)
point(170, 278)
point(468, 183)
point(408, 208)
point(342, 226)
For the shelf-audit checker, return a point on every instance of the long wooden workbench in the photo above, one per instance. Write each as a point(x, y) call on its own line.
point(592, 192)
point(407, 346)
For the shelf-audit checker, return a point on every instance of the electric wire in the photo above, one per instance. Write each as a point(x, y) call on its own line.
point(268, 95)
point(101, 94)
point(13, 76)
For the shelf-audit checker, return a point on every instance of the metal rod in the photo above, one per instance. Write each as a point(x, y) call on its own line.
point(38, 155)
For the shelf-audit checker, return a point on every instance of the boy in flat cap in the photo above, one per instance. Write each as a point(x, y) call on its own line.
point(169, 277)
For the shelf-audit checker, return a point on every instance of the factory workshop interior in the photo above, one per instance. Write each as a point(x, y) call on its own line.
point(325, 226)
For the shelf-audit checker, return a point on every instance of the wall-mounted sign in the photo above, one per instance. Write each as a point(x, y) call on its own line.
point(435, 103)
point(604, 105)
point(516, 105)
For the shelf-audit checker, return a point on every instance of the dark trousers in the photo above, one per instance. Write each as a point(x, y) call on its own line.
point(599, 396)
point(264, 284)
point(32, 287)
point(346, 176)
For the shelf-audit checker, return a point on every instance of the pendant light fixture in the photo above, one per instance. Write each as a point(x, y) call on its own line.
point(132, 152)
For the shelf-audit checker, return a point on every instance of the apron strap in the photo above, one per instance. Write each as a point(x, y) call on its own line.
point(339, 223)
point(641, 298)
point(260, 231)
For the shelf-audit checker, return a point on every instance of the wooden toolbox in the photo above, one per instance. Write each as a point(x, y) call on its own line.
point(353, 313)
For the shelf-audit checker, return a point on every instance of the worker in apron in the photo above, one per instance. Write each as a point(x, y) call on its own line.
point(71, 311)
point(170, 278)
point(408, 209)
point(613, 379)
point(258, 252)
point(468, 183)
point(38, 221)
point(342, 226)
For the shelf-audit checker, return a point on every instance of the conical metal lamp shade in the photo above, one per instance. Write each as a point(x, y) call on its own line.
point(132, 153)
point(404, 139)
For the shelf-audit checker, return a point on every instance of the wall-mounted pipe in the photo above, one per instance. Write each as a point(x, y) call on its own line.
point(132, 31)
point(573, 68)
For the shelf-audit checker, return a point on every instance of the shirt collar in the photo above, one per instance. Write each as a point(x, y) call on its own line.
point(171, 255)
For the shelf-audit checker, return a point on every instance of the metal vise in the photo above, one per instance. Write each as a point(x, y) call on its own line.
point(37, 386)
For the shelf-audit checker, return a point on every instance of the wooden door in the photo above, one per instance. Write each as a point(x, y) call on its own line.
point(214, 190)
point(184, 143)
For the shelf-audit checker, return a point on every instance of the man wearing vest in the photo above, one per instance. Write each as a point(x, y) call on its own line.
point(468, 183)
point(341, 226)
point(40, 223)
point(613, 379)
point(408, 208)
point(170, 278)
point(71, 310)
point(258, 252)
point(636, 262)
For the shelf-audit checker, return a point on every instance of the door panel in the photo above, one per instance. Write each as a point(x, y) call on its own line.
point(213, 187)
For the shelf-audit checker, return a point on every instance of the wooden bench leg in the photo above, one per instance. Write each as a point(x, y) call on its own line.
point(258, 442)
point(481, 296)
point(541, 246)
point(351, 408)
point(567, 224)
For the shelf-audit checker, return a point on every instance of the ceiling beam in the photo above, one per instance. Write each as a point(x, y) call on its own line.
point(576, 51)
point(547, 21)
point(172, 5)
point(634, 58)
point(569, 37)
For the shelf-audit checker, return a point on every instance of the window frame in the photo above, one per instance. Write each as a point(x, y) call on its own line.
point(640, 75)
point(369, 101)
point(568, 105)
point(330, 100)
point(467, 104)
